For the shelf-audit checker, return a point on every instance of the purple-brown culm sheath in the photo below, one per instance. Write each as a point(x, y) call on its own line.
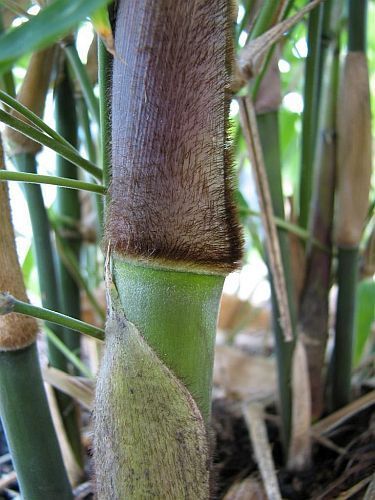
point(170, 195)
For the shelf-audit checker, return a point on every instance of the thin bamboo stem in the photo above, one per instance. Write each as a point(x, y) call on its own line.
point(354, 172)
point(347, 274)
point(83, 79)
point(314, 307)
point(105, 64)
point(34, 447)
point(42, 247)
point(51, 180)
point(71, 262)
point(357, 40)
point(84, 119)
point(269, 136)
point(310, 114)
point(10, 304)
point(68, 204)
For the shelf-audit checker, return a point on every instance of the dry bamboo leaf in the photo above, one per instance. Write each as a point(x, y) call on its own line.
point(74, 471)
point(7, 480)
point(236, 314)
point(329, 423)
point(251, 135)
point(299, 456)
point(354, 150)
point(248, 489)
point(253, 413)
point(78, 388)
point(242, 376)
point(268, 97)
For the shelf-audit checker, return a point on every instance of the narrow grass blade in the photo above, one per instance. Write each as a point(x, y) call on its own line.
point(42, 138)
point(33, 118)
point(68, 354)
point(83, 80)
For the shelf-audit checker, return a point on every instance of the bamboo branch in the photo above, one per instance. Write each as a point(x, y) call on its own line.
point(251, 134)
point(42, 138)
point(10, 304)
point(51, 180)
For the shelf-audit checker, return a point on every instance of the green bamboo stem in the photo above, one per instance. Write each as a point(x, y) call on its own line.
point(67, 201)
point(51, 180)
point(265, 18)
point(35, 450)
point(10, 304)
point(84, 120)
point(6, 78)
point(83, 79)
point(314, 306)
point(357, 39)
point(71, 262)
point(156, 300)
point(310, 114)
point(269, 135)
point(47, 276)
point(104, 61)
point(40, 137)
point(355, 166)
point(68, 204)
point(42, 248)
point(347, 274)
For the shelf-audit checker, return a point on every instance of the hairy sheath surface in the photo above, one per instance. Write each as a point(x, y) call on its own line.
point(170, 193)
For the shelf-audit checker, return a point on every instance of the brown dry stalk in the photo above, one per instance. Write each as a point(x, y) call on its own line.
point(171, 198)
point(354, 151)
point(251, 135)
point(314, 313)
point(16, 331)
point(32, 95)
point(254, 417)
point(251, 57)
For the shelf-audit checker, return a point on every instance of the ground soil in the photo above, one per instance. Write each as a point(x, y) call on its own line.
point(331, 473)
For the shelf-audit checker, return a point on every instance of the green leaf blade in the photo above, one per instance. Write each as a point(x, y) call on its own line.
point(49, 25)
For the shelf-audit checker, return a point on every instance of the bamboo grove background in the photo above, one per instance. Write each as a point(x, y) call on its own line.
point(301, 137)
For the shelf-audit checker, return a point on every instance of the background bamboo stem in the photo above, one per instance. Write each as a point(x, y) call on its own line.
point(347, 275)
point(310, 115)
point(68, 204)
point(29, 429)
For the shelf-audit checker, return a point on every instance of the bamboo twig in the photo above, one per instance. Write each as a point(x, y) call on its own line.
point(10, 304)
point(251, 134)
point(52, 180)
